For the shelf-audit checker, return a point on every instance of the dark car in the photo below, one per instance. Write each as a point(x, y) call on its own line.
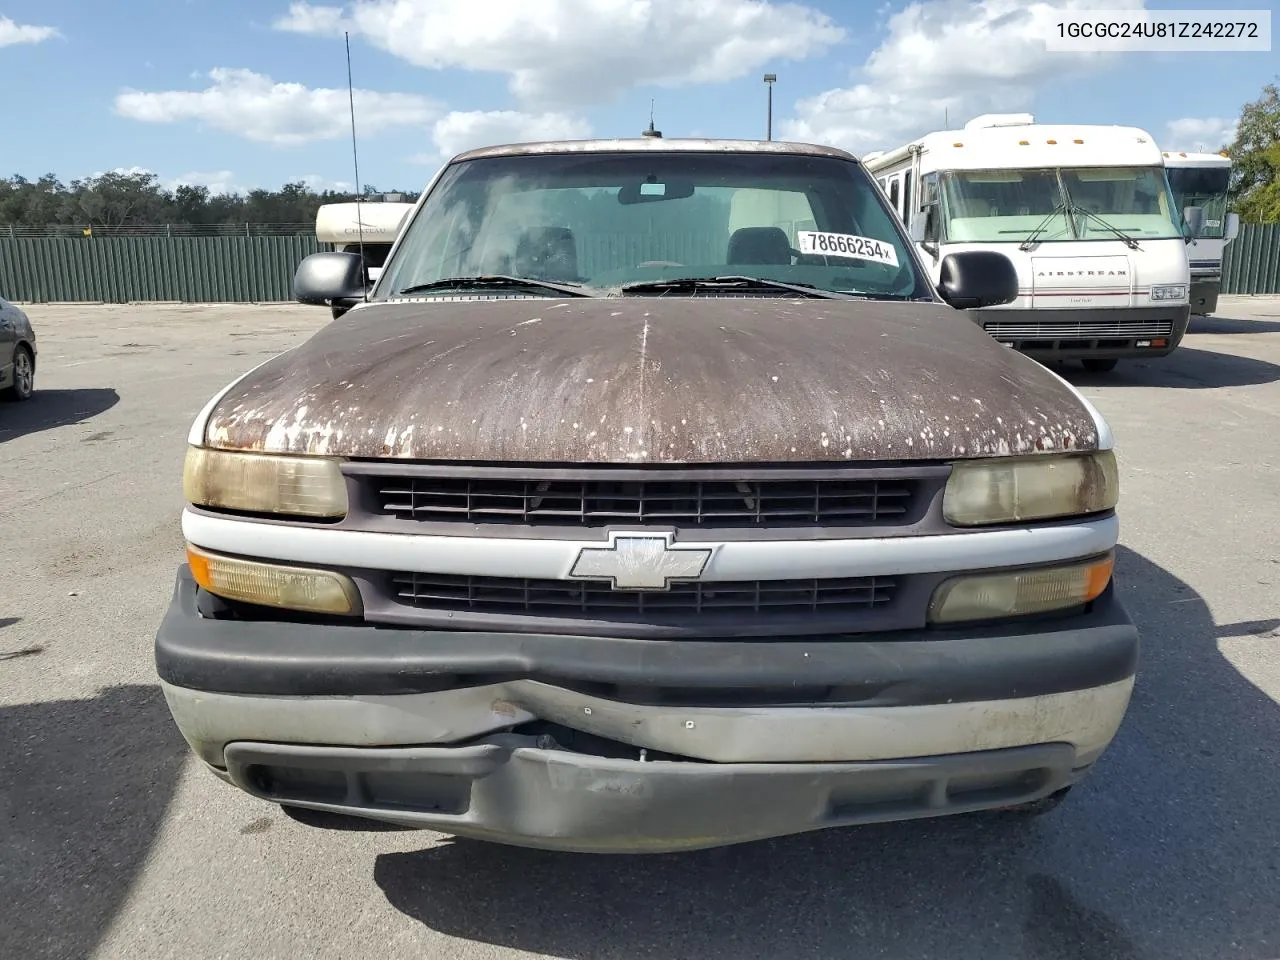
point(652, 499)
point(17, 353)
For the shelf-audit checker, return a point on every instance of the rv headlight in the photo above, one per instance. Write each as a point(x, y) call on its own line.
point(1036, 487)
point(1169, 291)
point(264, 483)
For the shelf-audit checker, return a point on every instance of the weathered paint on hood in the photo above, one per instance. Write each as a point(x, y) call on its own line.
point(652, 379)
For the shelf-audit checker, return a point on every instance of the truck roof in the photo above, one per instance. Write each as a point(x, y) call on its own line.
point(654, 145)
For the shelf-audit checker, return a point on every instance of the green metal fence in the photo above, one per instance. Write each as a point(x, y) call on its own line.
point(1251, 263)
point(125, 269)
point(259, 269)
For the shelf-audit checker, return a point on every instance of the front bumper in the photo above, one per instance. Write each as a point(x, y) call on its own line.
point(1112, 333)
point(598, 744)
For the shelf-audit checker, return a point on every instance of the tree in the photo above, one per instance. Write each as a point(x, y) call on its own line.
point(1255, 155)
point(114, 200)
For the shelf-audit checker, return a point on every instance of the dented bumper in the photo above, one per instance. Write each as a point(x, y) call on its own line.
point(585, 743)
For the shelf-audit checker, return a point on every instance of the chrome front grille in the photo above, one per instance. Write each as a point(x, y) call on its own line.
point(591, 599)
point(1111, 329)
point(841, 501)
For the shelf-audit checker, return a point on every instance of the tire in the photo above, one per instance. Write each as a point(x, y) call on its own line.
point(1098, 365)
point(24, 375)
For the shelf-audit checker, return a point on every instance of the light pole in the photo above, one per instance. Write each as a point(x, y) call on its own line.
point(769, 79)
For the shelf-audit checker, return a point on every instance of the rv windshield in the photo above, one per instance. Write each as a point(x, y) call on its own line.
point(1203, 187)
point(1007, 206)
point(608, 220)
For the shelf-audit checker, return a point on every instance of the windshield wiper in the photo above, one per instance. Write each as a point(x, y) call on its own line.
point(733, 282)
point(494, 280)
point(1044, 224)
point(1129, 241)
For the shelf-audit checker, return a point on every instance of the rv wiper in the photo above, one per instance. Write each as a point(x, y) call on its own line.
point(726, 283)
point(1048, 217)
point(1129, 241)
point(494, 280)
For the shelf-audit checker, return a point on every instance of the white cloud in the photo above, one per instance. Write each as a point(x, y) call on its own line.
point(1208, 134)
point(306, 18)
point(951, 59)
point(253, 106)
point(564, 53)
point(122, 171)
point(14, 33)
point(320, 184)
point(217, 182)
point(466, 130)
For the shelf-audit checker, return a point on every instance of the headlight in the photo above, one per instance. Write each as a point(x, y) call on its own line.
point(1020, 592)
point(1173, 291)
point(264, 483)
point(274, 585)
point(1035, 487)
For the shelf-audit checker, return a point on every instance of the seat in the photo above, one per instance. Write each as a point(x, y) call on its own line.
point(547, 253)
point(759, 245)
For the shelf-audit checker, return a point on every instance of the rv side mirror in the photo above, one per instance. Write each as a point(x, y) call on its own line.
point(330, 277)
point(977, 278)
point(1194, 219)
point(1231, 229)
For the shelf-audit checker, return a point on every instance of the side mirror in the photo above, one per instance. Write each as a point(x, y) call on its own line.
point(1231, 229)
point(330, 277)
point(1194, 219)
point(977, 278)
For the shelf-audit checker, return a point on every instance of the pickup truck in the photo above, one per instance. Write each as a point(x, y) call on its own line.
point(651, 499)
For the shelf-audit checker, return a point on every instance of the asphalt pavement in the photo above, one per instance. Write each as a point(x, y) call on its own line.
point(113, 843)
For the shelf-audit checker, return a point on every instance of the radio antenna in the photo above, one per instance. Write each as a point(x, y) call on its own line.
point(355, 157)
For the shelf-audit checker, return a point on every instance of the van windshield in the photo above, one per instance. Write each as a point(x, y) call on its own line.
point(1085, 203)
point(608, 220)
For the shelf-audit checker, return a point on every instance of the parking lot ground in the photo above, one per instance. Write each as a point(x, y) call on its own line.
point(114, 844)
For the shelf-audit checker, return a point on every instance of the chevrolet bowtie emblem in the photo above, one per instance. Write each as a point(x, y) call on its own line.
point(640, 561)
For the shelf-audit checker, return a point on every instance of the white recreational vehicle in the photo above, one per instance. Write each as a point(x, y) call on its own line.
point(1084, 212)
point(348, 226)
point(1201, 180)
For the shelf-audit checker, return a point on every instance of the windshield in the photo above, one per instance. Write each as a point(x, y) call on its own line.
point(611, 219)
point(995, 206)
point(1203, 187)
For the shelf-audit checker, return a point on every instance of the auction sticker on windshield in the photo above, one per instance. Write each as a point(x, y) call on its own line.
point(846, 245)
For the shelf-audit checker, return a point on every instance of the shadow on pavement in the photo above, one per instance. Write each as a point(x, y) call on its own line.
point(1187, 368)
point(48, 409)
point(1228, 325)
point(1169, 849)
point(84, 787)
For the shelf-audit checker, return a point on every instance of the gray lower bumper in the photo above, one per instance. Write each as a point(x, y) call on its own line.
point(509, 789)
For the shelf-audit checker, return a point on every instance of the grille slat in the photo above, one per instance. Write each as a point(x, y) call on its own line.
point(693, 503)
point(500, 595)
point(1078, 331)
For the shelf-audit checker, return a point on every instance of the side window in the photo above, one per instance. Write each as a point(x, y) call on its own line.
point(893, 194)
point(930, 208)
point(907, 206)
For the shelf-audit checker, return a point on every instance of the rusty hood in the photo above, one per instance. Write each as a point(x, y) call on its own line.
point(652, 379)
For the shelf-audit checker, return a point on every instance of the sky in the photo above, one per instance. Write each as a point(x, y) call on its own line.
point(236, 94)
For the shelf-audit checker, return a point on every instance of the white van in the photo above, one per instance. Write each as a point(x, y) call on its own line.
point(1201, 180)
point(371, 225)
point(1084, 212)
